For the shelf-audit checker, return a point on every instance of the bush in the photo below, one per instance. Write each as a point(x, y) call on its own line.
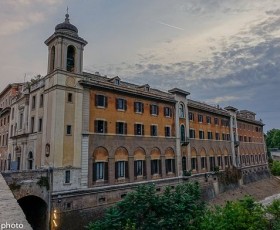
point(275, 168)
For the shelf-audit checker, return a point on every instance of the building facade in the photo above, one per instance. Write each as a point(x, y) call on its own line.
point(101, 136)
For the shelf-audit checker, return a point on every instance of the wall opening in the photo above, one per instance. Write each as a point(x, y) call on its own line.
point(36, 211)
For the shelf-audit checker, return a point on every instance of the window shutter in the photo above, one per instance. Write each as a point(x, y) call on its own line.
point(135, 129)
point(151, 129)
point(173, 165)
point(151, 109)
point(95, 126)
point(106, 101)
point(105, 126)
point(106, 171)
point(117, 103)
point(144, 168)
point(157, 110)
point(165, 111)
point(159, 171)
point(96, 100)
point(166, 166)
point(117, 127)
point(142, 107)
point(135, 106)
point(116, 170)
point(125, 128)
point(94, 172)
point(135, 168)
point(125, 105)
point(143, 131)
point(126, 169)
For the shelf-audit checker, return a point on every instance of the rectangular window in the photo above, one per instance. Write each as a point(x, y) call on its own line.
point(40, 124)
point(245, 139)
point(100, 126)
point(32, 125)
point(216, 121)
point(155, 167)
point(121, 128)
point(68, 129)
point(210, 135)
point(70, 97)
point(200, 118)
point(208, 119)
point(201, 134)
point(167, 131)
point(138, 168)
point(203, 162)
point(217, 136)
point(219, 161)
point(153, 109)
point(193, 163)
point(33, 104)
point(20, 120)
point(170, 165)
point(154, 130)
point(228, 137)
point(191, 116)
point(224, 122)
point(41, 100)
point(100, 101)
point(192, 133)
point(138, 129)
point(167, 111)
point(138, 107)
point(121, 169)
point(212, 163)
point(121, 104)
point(67, 177)
point(99, 170)
point(223, 137)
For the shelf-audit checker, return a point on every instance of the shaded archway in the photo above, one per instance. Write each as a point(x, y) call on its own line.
point(36, 211)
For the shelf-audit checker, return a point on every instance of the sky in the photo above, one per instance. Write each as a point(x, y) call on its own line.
point(224, 52)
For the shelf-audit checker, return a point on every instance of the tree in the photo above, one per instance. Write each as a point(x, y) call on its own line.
point(239, 215)
point(145, 208)
point(273, 138)
point(275, 168)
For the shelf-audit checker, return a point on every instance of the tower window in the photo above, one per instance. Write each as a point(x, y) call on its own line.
point(70, 58)
point(52, 58)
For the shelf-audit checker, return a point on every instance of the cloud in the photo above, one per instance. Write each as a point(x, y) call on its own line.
point(18, 15)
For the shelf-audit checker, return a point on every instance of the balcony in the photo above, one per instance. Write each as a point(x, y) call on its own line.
point(185, 142)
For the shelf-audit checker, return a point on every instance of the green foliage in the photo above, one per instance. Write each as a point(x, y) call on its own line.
point(144, 208)
point(275, 168)
point(14, 186)
point(44, 182)
point(241, 215)
point(273, 138)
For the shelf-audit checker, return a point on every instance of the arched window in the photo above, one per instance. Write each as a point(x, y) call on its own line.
point(30, 160)
point(182, 133)
point(181, 110)
point(52, 58)
point(70, 58)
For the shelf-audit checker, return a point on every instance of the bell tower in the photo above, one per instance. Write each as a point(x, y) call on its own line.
point(65, 48)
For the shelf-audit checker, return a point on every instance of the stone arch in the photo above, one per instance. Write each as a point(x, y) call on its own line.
point(100, 154)
point(203, 159)
point(156, 169)
point(139, 163)
point(99, 165)
point(121, 154)
point(170, 161)
point(121, 163)
point(35, 210)
point(182, 110)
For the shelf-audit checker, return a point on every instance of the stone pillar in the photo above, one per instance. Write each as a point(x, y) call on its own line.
point(148, 167)
point(163, 168)
point(131, 168)
point(198, 159)
point(111, 168)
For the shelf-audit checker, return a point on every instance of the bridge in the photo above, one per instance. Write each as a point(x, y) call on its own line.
point(24, 199)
